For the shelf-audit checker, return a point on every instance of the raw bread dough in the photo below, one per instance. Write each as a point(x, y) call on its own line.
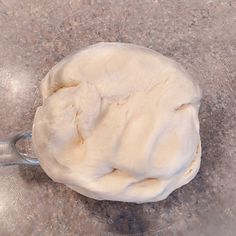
point(119, 122)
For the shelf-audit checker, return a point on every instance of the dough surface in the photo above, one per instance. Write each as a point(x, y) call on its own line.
point(119, 122)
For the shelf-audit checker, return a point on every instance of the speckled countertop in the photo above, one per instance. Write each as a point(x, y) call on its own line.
point(200, 34)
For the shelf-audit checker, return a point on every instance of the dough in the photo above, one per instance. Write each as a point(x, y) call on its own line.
point(119, 122)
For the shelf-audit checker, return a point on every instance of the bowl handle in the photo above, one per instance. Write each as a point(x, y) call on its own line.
point(17, 150)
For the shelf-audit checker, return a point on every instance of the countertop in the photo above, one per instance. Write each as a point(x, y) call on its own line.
point(200, 34)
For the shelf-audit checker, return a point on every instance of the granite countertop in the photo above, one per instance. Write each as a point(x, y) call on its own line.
point(200, 34)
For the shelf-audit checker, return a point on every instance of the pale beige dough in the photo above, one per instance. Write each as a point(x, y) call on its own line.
point(119, 122)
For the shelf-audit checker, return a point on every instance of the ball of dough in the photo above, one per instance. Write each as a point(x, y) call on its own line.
point(119, 122)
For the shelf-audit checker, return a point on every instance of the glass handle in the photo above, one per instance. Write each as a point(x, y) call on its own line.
point(17, 150)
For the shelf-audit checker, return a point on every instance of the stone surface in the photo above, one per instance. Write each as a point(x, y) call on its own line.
point(200, 34)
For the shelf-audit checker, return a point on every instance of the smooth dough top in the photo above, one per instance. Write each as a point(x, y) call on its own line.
point(119, 122)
